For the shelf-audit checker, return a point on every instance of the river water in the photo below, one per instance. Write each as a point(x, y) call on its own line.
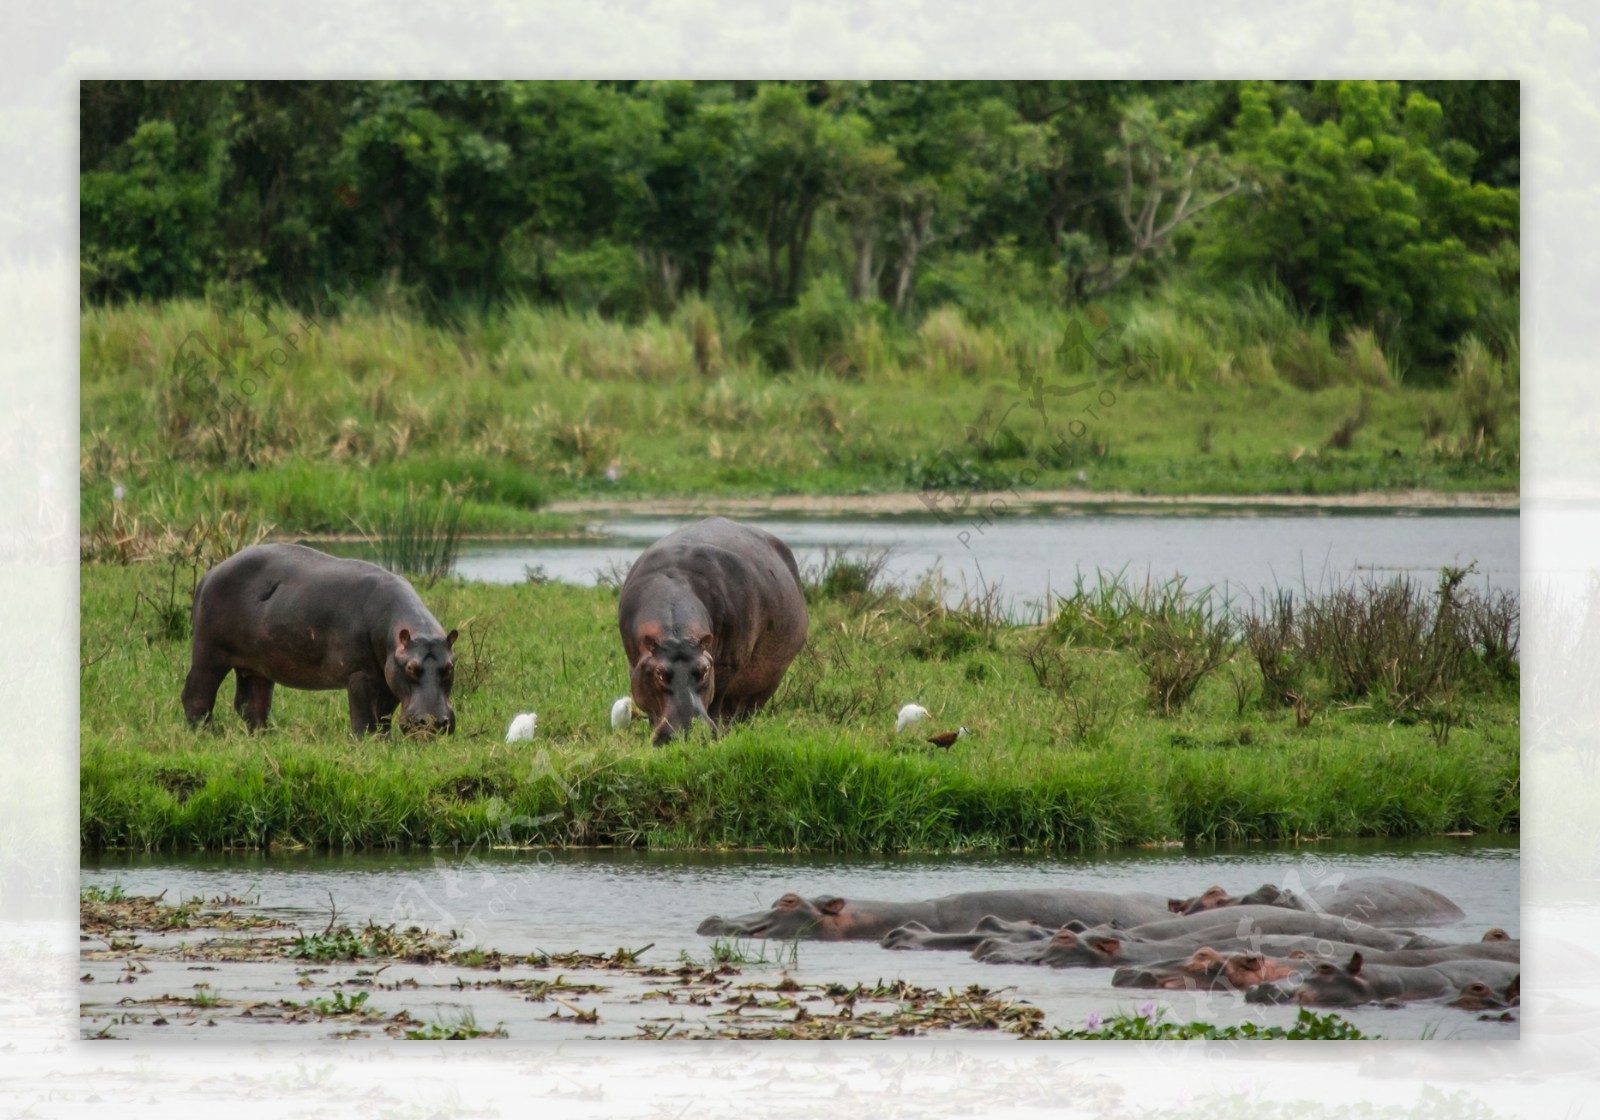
point(1238, 555)
point(596, 901)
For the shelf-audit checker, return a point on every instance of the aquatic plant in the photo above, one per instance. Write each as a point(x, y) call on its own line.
point(1150, 1023)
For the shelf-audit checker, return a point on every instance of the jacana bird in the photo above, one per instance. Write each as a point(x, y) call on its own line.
point(947, 739)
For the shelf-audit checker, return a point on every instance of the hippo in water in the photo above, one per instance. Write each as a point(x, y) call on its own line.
point(1377, 900)
point(286, 614)
point(711, 616)
point(1355, 982)
point(1069, 948)
point(915, 935)
point(1206, 968)
point(1244, 922)
point(840, 919)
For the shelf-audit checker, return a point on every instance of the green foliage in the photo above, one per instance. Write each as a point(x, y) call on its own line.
point(341, 1003)
point(339, 945)
point(460, 1029)
point(1384, 207)
point(1363, 213)
point(1151, 1023)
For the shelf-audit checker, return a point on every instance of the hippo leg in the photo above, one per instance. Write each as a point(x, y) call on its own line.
point(200, 691)
point(733, 711)
point(371, 704)
point(252, 699)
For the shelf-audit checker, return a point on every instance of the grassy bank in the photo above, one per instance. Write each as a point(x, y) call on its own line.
point(1083, 734)
point(1215, 394)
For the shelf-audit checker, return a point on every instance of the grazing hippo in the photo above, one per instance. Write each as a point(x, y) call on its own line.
point(1208, 927)
point(290, 615)
point(1376, 900)
point(1207, 968)
point(711, 616)
point(839, 919)
point(1356, 982)
point(915, 935)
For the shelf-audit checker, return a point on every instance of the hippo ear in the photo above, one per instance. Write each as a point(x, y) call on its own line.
point(705, 644)
point(1076, 925)
point(1106, 945)
point(1514, 989)
point(450, 639)
point(1177, 905)
point(1354, 967)
point(401, 641)
point(831, 905)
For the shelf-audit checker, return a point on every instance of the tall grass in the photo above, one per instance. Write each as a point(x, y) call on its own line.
point(527, 403)
point(419, 533)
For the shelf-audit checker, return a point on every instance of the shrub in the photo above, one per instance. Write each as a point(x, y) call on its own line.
point(1273, 640)
point(1176, 653)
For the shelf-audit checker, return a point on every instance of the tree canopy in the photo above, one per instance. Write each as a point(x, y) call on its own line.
point(1392, 206)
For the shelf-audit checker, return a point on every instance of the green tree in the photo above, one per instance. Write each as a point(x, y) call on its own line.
point(154, 164)
point(1368, 217)
point(942, 153)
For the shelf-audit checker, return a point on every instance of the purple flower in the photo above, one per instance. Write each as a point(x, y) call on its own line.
point(1148, 1010)
point(1094, 1020)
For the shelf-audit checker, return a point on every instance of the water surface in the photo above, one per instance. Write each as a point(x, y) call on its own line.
point(1028, 557)
point(596, 901)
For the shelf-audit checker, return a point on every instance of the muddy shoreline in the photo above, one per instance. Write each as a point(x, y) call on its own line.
point(993, 501)
point(1039, 500)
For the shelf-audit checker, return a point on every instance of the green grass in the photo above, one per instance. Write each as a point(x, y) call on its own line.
point(514, 409)
point(1076, 762)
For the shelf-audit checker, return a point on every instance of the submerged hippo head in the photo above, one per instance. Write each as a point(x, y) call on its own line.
point(1069, 949)
point(908, 936)
point(421, 671)
point(1196, 971)
point(1210, 900)
point(1332, 985)
point(790, 916)
point(1478, 996)
point(673, 682)
point(1496, 934)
